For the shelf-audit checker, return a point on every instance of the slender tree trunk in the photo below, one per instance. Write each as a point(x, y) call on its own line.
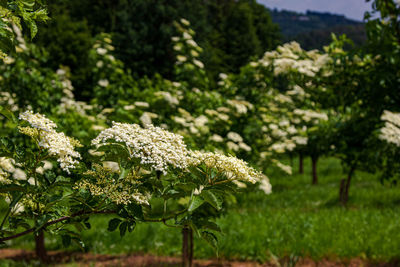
point(314, 161)
point(345, 186)
point(191, 247)
point(40, 247)
point(187, 247)
point(301, 167)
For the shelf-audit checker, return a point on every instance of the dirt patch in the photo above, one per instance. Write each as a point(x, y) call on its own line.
point(59, 258)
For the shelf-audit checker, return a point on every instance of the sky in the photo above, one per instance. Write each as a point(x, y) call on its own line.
point(353, 9)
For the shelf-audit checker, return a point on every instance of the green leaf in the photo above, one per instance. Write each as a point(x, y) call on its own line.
point(210, 225)
point(212, 198)
point(122, 228)
point(210, 238)
point(88, 225)
point(136, 210)
point(196, 202)
point(198, 174)
point(8, 114)
point(113, 224)
point(28, 3)
point(123, 213)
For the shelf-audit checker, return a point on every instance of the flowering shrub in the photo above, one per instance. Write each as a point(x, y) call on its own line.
point(129, 171)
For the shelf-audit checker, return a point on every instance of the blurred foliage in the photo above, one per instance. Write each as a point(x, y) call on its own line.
point(142, 31)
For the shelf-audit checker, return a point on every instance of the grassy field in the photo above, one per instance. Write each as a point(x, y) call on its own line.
point(296, 220)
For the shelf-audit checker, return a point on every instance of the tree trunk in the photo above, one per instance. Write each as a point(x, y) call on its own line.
point(345, 186)
point(301, 167)
point(40, 247)
point(187, 247)
point(314, 161)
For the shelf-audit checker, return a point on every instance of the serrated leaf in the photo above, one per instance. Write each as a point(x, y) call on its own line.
point(197, 174)
point(196, 202)
point(212, 198)
point(210, 238)
point(211, 226)
point(113, 224)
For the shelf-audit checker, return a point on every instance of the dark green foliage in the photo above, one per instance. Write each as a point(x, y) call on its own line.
point(231, 32)
point(293, 23)
point(313, 29)
point(68, 43)
point(316, 39)
point(30, 81)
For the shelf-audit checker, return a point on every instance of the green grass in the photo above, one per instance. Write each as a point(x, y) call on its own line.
point(297, 219)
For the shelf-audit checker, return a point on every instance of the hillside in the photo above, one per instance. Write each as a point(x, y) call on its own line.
point(313, 29)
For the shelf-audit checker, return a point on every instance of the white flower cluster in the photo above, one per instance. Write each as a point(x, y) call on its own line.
point(103, 47)
point(195, 125)
point(286, 168)
point(147, 118)
point(38, 121)
point(241, 106)
point(310, 115)
point(187, 48)
point(232, 167)
point(236, 142)
point(119, 192)
point(391, 131)
point(57, 144)
point(290, 57)
point(6, 167)
point(167, 96)
point(265, 185)
point(154, 146)
point(9, 100)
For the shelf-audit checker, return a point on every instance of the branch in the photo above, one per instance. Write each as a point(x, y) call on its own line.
point(165, 218)
point(57, 221)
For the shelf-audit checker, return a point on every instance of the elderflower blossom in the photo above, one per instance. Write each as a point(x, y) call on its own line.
point(287, 169)
point(391, 131)
point(391, 117)
point(234, 137)
point(154, 146)
point(101, 51)
point(300, 140)
point(103, 184)
point(265, 185)
point(198, 63)
point(103, 82)
point(57, 144)
point(232, 167)
point(172, 100)
point(216, 138)
point(244, 146)
point(38, 121)
point(141, 104)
